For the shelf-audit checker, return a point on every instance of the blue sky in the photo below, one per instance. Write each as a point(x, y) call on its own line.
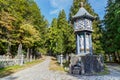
point(51, 8)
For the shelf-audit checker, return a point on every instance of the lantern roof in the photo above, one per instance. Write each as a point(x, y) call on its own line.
point(83, 13)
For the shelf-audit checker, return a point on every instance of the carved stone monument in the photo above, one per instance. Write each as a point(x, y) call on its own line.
point(20, 56)
point(84, 62)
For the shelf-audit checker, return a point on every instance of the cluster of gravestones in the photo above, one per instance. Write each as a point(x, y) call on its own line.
point(89, 64)
point(19, 59)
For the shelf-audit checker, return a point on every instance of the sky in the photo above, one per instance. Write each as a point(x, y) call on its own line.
point(50, 8)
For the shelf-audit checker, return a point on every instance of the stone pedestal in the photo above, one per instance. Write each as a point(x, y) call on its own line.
point(88, 64)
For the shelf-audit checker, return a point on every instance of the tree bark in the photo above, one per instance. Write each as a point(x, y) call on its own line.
point(28, 56)
point(118, 56)
point(115, 58)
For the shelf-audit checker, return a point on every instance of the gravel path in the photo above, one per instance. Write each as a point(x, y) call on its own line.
point(42, 72)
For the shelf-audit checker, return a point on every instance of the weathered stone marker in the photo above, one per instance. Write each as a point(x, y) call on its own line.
point(84, 62)
point(61, 60)
point(22, 59)
point(20, 55)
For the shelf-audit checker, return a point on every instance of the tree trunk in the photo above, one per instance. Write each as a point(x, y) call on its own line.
point(115, 58)
point(31, 54)
point(8, 49)
point(28, 56)
point(118, 56)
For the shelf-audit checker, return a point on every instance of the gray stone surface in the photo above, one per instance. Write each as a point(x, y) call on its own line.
point(89, 64)
point(41, 72)
point(93, 63)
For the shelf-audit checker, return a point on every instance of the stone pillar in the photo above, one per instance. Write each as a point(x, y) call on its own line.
point(22, 60)
point(78, 44)
point(19, 54)
point(90, 37)
point(30, 58)
point(61, 60)
point(84, 42)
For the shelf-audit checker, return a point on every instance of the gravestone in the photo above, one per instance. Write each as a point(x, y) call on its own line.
point(20, 55)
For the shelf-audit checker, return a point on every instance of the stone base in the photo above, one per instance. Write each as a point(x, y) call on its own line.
point(88, 64)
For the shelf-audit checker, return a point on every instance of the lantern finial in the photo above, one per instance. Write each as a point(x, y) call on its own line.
point(81, 4)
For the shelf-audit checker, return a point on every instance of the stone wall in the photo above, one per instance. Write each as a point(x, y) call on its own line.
point(6, 61)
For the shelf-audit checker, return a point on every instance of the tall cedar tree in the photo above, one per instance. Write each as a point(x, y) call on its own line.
point(54, 39)
point(67, 32)
point(61, 37)
point(112, 29)
point(19, 13)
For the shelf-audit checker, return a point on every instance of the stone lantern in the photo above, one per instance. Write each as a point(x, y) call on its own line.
point(82, 21)
point(84, 62)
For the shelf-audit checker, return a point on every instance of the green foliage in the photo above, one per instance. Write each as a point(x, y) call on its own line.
point(29, 35)
point(21, 22)
point(61, 38)
point(111, 30)
point(42, 50)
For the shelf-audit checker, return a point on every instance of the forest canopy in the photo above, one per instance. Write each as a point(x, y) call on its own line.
point(21, 22)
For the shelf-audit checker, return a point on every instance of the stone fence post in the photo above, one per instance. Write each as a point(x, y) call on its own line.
point(22, 60)
point(61, 60)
